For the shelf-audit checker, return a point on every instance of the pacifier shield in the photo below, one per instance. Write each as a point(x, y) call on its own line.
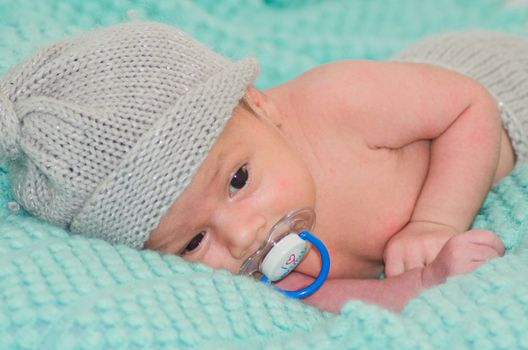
point(294, 222)
point(284, 257)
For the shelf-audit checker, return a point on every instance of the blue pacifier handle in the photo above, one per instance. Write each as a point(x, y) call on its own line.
point(323, 274)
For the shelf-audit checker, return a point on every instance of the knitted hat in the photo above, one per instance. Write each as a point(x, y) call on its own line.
point(105, 130)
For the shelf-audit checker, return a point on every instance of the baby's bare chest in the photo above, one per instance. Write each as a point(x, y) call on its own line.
point(364, 196)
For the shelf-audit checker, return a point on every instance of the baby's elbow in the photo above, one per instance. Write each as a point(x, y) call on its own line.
point(487, 122)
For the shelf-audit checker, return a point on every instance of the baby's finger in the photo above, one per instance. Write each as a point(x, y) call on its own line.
point(394, 266)
point(479, 261)
point(414, 261)
point(487, 238)
point(482, 253)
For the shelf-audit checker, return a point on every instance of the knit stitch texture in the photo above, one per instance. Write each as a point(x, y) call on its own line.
point(67, 292)
point(105, 130)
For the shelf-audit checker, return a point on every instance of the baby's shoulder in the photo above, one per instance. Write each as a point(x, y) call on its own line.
point(339, 86)
point(363, 72)
point(335, 72)
point(323, 85)
point(325, 96)
point(359, 83)
point(334, 81)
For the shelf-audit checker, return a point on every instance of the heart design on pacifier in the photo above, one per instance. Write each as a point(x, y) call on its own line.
point(291, 259)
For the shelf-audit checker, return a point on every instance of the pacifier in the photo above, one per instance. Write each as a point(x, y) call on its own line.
point(286, 245)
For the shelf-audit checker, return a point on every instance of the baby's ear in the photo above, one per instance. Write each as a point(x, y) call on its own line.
point(254, 98)
point(261, 104)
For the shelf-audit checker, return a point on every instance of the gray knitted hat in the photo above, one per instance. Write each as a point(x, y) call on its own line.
point(105, 130)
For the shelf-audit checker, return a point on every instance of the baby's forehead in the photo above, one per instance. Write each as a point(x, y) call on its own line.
point(230, 148)
point(237, 123)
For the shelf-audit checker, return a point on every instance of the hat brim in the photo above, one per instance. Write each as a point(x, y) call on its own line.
point(129, 204)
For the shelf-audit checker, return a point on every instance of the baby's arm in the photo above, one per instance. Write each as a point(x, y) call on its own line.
point(461, 254)
point(391, 105)
point(465, 148)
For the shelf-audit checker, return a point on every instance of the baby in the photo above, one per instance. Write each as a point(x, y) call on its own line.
point(139, 135)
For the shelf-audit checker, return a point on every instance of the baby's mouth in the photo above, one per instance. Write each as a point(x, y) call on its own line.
point(293, 222)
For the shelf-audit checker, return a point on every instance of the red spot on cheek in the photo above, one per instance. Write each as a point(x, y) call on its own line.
point(284, 184)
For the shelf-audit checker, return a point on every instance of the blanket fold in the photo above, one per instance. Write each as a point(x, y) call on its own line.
point(61, 291)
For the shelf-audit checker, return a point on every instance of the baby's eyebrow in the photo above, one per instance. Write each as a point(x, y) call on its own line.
point(215, 169)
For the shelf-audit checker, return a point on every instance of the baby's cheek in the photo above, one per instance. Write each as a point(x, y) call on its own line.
point(292, 193)
point(288, 188)
point(284, 184)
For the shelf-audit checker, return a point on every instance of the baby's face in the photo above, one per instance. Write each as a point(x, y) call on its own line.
point(251, 178)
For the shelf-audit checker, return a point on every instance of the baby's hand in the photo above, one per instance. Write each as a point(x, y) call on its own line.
point(415, 246)
point(461, 254)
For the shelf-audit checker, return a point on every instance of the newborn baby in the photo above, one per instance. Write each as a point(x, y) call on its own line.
point(137, 134)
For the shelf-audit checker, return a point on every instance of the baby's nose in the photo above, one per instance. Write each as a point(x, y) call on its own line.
point(244, 235)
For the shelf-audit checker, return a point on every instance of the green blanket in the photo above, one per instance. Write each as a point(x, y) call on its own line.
point(62, 292)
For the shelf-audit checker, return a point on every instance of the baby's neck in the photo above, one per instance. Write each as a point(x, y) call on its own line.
point(295, 121)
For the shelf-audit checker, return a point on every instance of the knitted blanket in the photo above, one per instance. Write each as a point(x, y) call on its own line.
point(67, 292)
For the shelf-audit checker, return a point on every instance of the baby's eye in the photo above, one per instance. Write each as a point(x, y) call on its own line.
point(239, 180)
point(194, 243)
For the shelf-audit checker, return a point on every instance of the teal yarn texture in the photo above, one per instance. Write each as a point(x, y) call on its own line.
point(62, 292)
